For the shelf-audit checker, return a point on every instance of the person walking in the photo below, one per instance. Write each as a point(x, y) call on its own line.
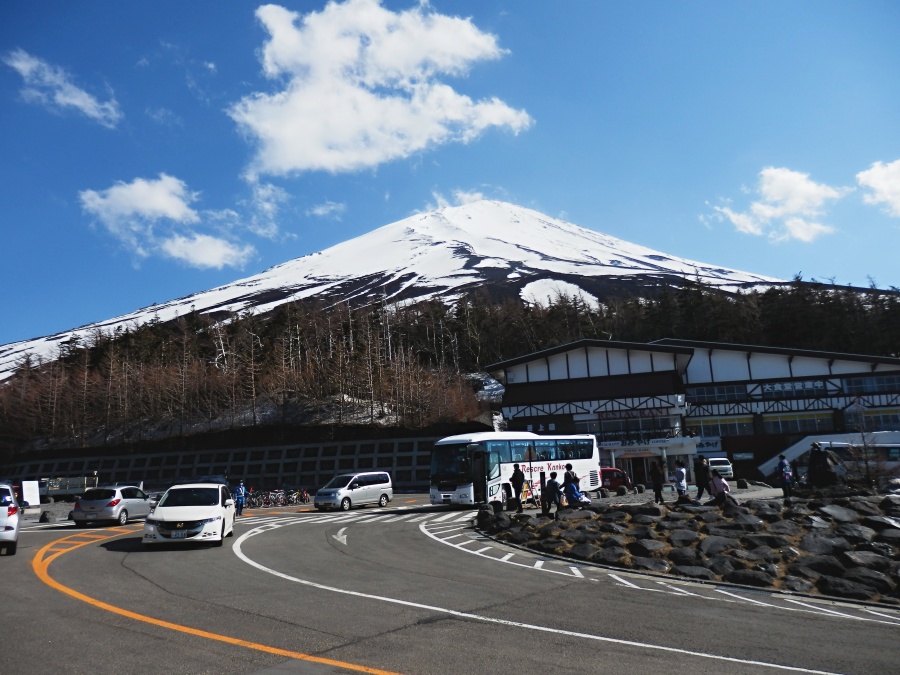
point(517, 480)
point(551, 495)
point(570, 475)
point(680, 479)
point(786, 475)
point(240, 494)
point(701, 475)
point(657, 477)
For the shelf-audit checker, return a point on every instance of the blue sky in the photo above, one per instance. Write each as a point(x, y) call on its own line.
point(149, 150)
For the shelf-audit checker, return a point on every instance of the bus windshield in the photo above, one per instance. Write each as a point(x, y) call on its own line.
point(450, 460)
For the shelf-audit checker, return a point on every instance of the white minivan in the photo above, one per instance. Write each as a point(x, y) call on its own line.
point(723, 466)
point(347, 490)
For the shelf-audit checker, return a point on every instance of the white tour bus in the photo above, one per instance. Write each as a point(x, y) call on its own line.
point(475, 468)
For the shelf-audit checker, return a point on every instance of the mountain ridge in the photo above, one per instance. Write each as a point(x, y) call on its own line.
point(438, 254)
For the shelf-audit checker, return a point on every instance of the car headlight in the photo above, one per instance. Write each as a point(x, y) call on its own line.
point(209, 520)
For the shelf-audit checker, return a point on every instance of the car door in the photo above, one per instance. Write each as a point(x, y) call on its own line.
point(140, 503)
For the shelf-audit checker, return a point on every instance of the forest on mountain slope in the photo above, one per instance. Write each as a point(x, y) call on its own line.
point(407, 367)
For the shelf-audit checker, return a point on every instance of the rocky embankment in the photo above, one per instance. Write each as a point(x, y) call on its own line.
point(842, 546)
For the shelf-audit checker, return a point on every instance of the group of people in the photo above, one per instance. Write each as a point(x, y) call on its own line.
point(709, 481)
point(553, 493)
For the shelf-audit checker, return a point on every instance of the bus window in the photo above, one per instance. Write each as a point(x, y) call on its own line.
point(521, 449)
point(584, 449)
point(545, 450)
point(501, 449)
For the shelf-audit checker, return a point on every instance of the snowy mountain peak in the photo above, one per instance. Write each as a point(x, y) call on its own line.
point(442, 253)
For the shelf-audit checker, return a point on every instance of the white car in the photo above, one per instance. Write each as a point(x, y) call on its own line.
point(195, 512)
point(9, 519)
point(723, 466)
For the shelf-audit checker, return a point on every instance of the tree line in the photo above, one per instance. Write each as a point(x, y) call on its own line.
point(400, 365)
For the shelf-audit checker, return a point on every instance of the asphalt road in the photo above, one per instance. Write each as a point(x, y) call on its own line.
point(407, 589)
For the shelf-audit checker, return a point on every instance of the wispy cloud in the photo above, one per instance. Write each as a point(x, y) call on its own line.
point(457, 198)
point(883, 182)
point(52, 87)
point(155, 217)
point(360, 87)
point(333, 210)
point(790, 206)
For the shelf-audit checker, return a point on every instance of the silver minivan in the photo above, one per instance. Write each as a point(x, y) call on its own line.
point(347, 490)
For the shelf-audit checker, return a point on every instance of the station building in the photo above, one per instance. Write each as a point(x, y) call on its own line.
point(674, 399)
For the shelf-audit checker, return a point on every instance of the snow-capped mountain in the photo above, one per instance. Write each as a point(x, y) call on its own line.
point(443, 253)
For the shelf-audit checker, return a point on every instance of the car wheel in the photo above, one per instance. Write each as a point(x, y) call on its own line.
point(11, 548)
point(383, 501)
point(123, 517)
point(345, 504)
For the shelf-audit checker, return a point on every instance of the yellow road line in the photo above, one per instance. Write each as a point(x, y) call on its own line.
point(43, 558)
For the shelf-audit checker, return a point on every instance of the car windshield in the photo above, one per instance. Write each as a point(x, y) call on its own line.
point(191, 497)
point(339, 481)
point(98, 494)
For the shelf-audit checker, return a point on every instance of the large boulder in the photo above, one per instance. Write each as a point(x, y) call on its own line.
point(647, 547)
point(685, 556)
point(844, 588)
point(694, 572)
point(840, 514)
point(679, 538)
point(855, 534)
point(651, 564)
point(821, 544)
point(866, 559)
point(612, 555)
point(868, 577)
point(714, 545)
point(820, 564)
point(749, 578)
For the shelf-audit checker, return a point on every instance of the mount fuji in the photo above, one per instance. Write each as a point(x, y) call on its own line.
point(499, 247)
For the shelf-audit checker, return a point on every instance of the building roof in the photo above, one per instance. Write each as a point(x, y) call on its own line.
point(788, 351)
point(582, 344)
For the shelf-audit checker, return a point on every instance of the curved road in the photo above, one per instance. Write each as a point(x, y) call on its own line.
point(408, 589)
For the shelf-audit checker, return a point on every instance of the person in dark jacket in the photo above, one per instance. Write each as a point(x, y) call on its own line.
point(701, 475)
point(657, 477)
point(517, 480)
point(552, 495)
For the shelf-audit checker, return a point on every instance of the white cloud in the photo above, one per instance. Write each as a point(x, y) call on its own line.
point(883, 181)
point(790, 206)
point(155, 217)
point(457, 198)
point(328, 209)
point(360, 87)
point(266, 206)
point(201, 250)
point(51, 86)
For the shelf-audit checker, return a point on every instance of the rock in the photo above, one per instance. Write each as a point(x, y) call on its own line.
point(722, 564)
point(748, 522)
point(742, 484)
point(797, 584)
point(584, 551)
point(642, 532)
point(714, 545)
point(709, 517)
point(685, 556)
point(768, 568)
point(879, 547)
point(615, 541)
point(44, 517)
point(570, 515)
point(882, 522)
point(613, 555)
point(816, 522)
point(760, 553)
point(652, 510)
point(866, 559)
point(843, 588)
point(680, 515)
point(646, 547)
point(785, 527)
point(840, 514)
point(610, 516)
point(890, 537)
point(823, 564)
point(771, 540)
point(731, 532)
point(574, 536)
point(615, 528)
point(678, 525)
point(864, 507)
point(824, 545)
point(679, 538)
point(644, 519)
point(519, 537)
point(749, 578)
point(855, 534)
point(555, 546)
point(694, 572)
point(877, 580)
point(652, 564)
point(797, 510)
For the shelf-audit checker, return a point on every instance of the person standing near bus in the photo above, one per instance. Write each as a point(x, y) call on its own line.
point(551, 495)
point(517, 480)
point(680, 479)
point(571, 476)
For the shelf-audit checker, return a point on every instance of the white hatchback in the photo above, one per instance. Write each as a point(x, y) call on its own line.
point(10, 513)
point(196, 512)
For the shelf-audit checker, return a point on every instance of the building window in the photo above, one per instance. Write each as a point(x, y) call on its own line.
point(871, 384)
point(721, 426)
point(799, 423)
point(717, 394)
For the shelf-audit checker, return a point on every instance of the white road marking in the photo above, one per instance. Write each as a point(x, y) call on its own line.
point(238, 551)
